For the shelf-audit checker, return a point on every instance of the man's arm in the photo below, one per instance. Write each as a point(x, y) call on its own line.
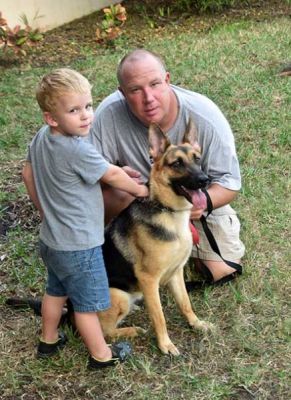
point(28, 180)
point(219, 195)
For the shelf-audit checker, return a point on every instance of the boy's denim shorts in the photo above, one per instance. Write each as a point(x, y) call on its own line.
point(80, 275)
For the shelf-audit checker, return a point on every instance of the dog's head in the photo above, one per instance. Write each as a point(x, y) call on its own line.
point(177, 167)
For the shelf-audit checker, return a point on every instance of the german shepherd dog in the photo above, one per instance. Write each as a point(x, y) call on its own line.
point(149, 243)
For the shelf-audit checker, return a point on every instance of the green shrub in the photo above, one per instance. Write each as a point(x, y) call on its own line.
point(110, 27)
point(212, 5)
point(17, 38)
point(183, 6)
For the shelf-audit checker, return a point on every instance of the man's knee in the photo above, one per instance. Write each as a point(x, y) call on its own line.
point(226, 231)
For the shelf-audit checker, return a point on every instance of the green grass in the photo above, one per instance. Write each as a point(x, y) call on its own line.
point(248, 355)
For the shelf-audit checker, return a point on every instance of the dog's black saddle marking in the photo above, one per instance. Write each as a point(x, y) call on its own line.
point(142, 211)
point(119, 271)
point(160, 233)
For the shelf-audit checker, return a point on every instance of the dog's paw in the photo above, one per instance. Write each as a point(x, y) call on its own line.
point(169, 348)
point(140, 331)
point(203, 325)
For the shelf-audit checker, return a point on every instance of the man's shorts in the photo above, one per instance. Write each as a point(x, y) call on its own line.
point(80, 275)
point(225, 227)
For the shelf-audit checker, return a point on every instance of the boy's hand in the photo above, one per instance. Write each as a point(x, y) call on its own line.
point(143, 191)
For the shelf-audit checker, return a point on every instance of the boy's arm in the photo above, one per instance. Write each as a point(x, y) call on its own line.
point(119, 179)
point(28, 180)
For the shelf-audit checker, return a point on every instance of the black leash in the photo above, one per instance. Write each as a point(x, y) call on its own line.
point(191, 285)
point(210, 236)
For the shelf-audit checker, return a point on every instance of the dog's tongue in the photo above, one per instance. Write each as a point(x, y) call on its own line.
point(199, 199)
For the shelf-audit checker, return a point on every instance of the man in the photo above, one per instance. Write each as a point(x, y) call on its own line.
point(120, 133)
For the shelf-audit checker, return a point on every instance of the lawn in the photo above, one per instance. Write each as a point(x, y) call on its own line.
point(237, 63)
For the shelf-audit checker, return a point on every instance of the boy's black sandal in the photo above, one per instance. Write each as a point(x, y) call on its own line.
point(46, 350)
point(120, 351)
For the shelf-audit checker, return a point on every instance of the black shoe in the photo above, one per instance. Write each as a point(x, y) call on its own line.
point(120, 351)
point(208, 277)
point(45, 350)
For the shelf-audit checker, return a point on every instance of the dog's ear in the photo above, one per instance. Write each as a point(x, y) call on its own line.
point(191, 134)
point(158, 141)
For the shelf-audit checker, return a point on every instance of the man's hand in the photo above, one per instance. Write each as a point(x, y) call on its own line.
point(219, 195)
point(196, 213)
point(134, 174)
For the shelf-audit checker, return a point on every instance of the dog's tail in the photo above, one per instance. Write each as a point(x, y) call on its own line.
point(34, 304)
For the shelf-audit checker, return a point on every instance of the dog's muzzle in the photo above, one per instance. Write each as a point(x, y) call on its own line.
point(190, 187)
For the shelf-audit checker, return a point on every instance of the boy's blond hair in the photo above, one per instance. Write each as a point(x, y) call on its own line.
point(59, 82)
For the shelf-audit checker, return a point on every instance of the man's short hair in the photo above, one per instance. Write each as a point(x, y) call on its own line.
point(137, 55)
point(58, 82)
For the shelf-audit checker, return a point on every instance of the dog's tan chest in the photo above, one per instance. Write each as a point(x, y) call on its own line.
point(177, 258)
point(173, 254)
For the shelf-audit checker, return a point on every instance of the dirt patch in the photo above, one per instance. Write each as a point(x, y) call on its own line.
point(20, 212)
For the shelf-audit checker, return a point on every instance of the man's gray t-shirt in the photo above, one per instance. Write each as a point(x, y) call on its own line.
point(66, 171)
point(123, 140)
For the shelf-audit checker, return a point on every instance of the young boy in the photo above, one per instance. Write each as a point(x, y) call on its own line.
point(62, 175)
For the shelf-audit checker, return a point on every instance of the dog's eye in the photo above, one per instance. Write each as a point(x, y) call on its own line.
point(178, 163)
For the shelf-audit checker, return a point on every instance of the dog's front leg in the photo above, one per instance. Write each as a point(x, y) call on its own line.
point(150, 288)
point(177, 287)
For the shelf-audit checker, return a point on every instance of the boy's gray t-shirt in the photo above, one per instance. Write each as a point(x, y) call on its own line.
point(66, 171)
point(123, 140)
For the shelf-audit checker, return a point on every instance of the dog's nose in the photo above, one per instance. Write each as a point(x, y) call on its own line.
point(203, 180)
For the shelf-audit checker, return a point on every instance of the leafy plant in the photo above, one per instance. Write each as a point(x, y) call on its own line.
point(165, 9)
point(17, 38)
point(214, 5)
point(110, 27)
